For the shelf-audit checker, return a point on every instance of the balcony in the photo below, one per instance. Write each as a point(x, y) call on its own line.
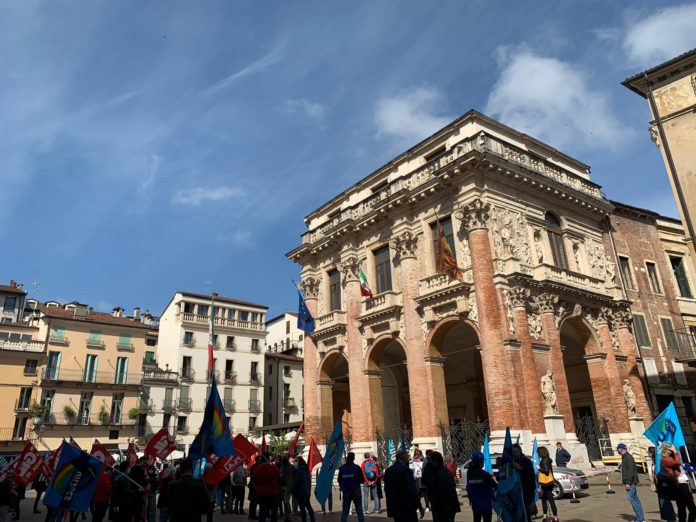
point(31, 372)
point(160, 376)
point(255, 379)
point(255, 406)
point(184, 405)
point(231, 347)
point(58, 339)
point(22, 346)
point(334, 319)
point(146, 405)
point(189, 344)
point(95, 343)
point(125, 347)
point(79, 419)
point(231, 377)
point(181, 430)
point(223, 322)
point(168, 406)
point(255, 348)
point(686, 346)
point(550, 272)
point(289, 403)
point(230, 406)
point(188, 374)
point(22, 406)
point(82, 377)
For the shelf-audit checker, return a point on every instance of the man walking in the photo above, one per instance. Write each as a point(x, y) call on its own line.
point(562, 456)
point(189, 496)
point(629, 477)
point(370, 470)
point(400, 488)
point(350, 478)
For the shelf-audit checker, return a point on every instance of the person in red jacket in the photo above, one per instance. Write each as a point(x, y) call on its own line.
point(371, 473)
point(671, 464)
point(265, 478)
point(102, 494)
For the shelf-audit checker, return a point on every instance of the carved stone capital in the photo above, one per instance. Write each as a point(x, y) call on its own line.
point(351, 269)
point(405, 245)
point(519, 296)
point(605, 315)
point(623, 319)
point(310, 286)
point(546, 302)
point(475, 215)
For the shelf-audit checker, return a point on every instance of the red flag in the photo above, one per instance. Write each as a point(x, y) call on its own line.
point(53, 460)
point(264, 447)
point(132, 453)
point(223, 467)
point(101, 453)
point(291, 449)
point(243, 446)
point(445, 261)
point(160, 445)
point(314, 455)
point(28, 465)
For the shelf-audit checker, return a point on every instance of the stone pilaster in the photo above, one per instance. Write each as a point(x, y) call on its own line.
point(622, 322)
point(325, 417)
point(375, 403)
point(312, 409)
point(437, 396)
point(497, 376)
point(519, 297)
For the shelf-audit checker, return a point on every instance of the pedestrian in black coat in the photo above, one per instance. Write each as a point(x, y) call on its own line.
point(442, 493)
point(403, 502)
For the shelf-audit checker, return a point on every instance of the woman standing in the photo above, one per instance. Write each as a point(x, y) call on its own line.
point(546, 483)
point(671, 463)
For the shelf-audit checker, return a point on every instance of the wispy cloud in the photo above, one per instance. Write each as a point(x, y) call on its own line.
point(195, 196)
point(553, 100)
point(410, 115)
point(662, 35)
point(312, 110)
point(238, 238)
point(255, 67)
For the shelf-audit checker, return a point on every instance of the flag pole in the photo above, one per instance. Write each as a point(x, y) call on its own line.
point(211, 336)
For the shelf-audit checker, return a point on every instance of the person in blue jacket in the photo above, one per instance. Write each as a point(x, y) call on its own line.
point(480, 487)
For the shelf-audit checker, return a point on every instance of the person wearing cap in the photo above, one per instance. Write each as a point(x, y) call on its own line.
point(480, 488)
point(629, 478)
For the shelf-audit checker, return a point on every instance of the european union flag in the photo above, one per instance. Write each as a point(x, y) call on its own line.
point(665, 430)
point(334, 450)
point(74, 479)
point(305, 321)
point(214, 435)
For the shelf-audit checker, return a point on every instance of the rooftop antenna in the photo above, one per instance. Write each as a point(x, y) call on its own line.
point(36, 290)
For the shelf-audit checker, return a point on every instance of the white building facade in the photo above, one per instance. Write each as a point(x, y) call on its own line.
point(238, 360)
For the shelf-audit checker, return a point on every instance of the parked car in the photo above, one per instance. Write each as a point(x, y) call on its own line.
point(561, 474)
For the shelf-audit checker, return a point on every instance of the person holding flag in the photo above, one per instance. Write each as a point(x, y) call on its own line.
point(480, 488)
point(334, 450)
point(672, 467)
point(509, 501)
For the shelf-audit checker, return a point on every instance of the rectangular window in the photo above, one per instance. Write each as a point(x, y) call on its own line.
point(228, 398)
point(85, 407)
point(47, 402)
point(166, 420)
point(270, 369)
point(679, 269)
point(287, 371)
point(230, 341)
point(124, 342)
point(150, 342)
point(254, 371)
point(254, 345)
point(270, 393)
point(448, 234)
point(334, 290)
point(24, 399)
point(95, 338)
point(243, 315)
point(121, 370)
point(189, 308)
point(287, 327)
point(286, 418)
point(229, 369)
point(20, 428)
point(668, 332)
point(57, 334)
point(145, 397)
point(203, 310)
point(149, 357)
point(651, 370)
point(181, 424)
point(252, 423)
point(116, 415)
point(254, 317)
point(53, 365)
point(30, 366)
point(168, 398)
point(230, 313)
point(286, 390)
point(188, 338)
point(640, 330)
point(215, 340)
point(10, 303)
point(383, 269)
point(653, 278)
point(186, 369)
point(625, 267)
point(90, 374)
point(253, 394)
point(679, 372)
point(557, 249)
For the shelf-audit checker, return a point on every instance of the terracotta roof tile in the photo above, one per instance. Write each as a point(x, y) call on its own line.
point(91, 317)
point(11, 290)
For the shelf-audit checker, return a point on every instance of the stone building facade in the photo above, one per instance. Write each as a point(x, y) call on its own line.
point(539, 292)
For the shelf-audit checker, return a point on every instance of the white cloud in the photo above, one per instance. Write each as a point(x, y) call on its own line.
point(195, 196)
point(411, 115)
point(553, 101)
point(662, 35)
point(238, 238)
point(313, 110)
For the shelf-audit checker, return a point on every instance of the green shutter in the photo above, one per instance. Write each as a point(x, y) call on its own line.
point(641, 331)
point(670, 337)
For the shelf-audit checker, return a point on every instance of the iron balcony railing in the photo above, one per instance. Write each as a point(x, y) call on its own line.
point(22, 406)
point(255, 378)
point(81, 419)
point(168, 406)
point(31, 371)
point(125, 347)
point(231, 377)
point(231, 347)
point(289, 403)
point(255, 406)
point(146, 405)
point(230, 405)
point(184, 405)
point(187, 374)
point(686, 345)
point(95, 343)
point(89, 377)
point(58, 339)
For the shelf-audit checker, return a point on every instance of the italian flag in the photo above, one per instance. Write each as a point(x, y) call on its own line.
point(364, 287)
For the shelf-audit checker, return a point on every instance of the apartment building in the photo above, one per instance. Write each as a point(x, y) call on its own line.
point(91, 376)
point(238, 360)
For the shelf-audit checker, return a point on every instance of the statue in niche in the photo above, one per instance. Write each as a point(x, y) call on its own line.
point(548, 391)
point(538, 245)
point(629, 397)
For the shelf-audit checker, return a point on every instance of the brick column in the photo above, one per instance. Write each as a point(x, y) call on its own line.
point(361, 425)
point(496, 374)
point(437, 394)
point(312, 404)
point(616, 414)
point(519, 297)
point(405, 246)
point(546, 304)
point(622, 321)
point(375, 403)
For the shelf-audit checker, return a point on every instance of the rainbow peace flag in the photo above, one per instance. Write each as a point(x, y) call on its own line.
point(72, 484)
point(214, 436)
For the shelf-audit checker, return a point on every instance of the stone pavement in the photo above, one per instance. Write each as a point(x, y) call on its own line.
point(594, 506)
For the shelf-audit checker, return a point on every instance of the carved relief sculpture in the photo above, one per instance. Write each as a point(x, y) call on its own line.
point(548, 391)
point(538, 246)
point(576, 255)
point(509, 313)
point(535, 328)
point(597, 259)
point(611, 272)
point(473, 310)
point(510, 236)
point(629, 397)
point(519, 296)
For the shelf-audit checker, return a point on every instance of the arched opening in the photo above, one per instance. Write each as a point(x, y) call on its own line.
point(554, 234)
point(389, 358)
point(334, 400)
point(465, 391)
point(578, 342)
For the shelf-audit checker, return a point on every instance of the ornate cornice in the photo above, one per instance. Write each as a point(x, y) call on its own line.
point(310, 286)
point(405, 245)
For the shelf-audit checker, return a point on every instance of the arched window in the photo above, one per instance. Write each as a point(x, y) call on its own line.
point(554, 233)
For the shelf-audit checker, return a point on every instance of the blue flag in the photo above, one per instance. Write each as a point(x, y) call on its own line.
point(214, 435)
point(404, 445)
point(334, 450)
point(391, 449)
point(509, 499)
point(535, 462)
point(305, 321)
point(487, 464)
point(74, 479)
point(665, 429)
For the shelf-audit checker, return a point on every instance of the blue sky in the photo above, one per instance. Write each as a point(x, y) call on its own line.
point(147, 147)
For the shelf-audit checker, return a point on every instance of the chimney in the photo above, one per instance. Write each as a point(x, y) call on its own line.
point(117, 312)
point(136, 314)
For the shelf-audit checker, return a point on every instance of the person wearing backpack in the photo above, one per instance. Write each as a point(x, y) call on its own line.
point(546, 483)
point(371, 473)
